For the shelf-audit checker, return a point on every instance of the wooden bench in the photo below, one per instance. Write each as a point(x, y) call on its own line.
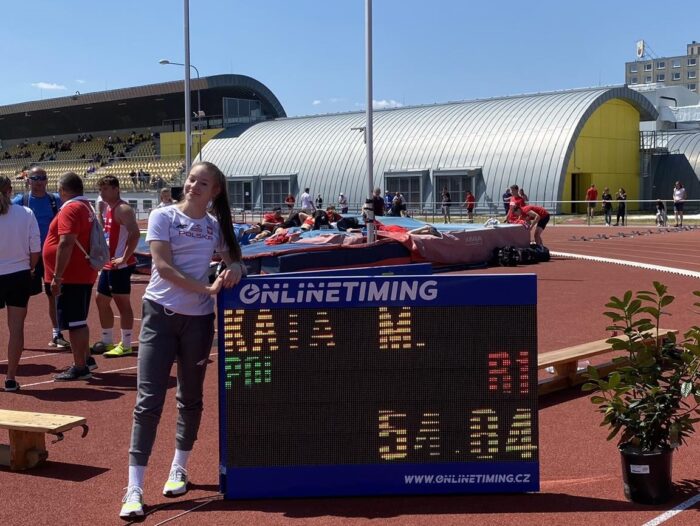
point(28, 430)
point(565, 363)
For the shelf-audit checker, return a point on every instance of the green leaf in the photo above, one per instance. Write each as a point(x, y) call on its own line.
point(592, 373)
point(660, 288)
point(686, 388)
point(614, 380)
point(598, 400)
point(666, 300)
point(589, 386)
point(627, 297)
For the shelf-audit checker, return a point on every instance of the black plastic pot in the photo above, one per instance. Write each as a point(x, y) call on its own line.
point(647, 476)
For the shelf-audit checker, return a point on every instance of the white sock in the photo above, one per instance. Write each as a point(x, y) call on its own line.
point(55, 332)
point(107, 337)
point(181, 457)
point(136, 474)
point(126, 337)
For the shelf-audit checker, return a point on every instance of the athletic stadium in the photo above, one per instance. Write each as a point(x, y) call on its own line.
point(554, 145)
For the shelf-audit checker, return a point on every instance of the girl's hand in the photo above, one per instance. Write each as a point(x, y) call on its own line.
point(232, 275)
point(215, 287)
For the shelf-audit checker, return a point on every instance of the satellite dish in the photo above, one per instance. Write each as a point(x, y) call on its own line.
point(640, 49)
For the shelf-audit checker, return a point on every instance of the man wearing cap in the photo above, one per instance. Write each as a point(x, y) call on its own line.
point(45, 206)
point(343, 203)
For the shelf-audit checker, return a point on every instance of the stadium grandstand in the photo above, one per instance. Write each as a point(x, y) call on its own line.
point(127, 132)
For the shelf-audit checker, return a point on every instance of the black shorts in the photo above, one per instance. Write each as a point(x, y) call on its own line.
point(115, 281)
point(591, 204)
point(15, 289)
point(542, 223)
point(37, 279)
point(73, 305)
point(678, 206)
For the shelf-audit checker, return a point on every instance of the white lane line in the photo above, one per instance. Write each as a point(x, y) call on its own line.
point(646, 266)
point(38, 356)
point(187, 511)
point(673, 511)
point(101, 372)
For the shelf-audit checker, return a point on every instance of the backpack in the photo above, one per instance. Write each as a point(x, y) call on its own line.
point(52, 201)
point(99, 251)
point(507, 256)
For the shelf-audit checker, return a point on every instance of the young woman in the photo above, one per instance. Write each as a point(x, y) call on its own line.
point(607, 206)
point(20, 254)
point(178, 321)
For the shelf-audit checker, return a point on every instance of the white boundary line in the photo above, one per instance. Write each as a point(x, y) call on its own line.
point(101, 372)
point(645, 266)
point(673, 511)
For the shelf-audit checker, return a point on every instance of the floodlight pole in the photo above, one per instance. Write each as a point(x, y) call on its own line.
point(166, 62)
point(371, 233)
point(188, 109)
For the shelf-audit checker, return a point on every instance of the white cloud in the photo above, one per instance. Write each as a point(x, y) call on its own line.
point(384, 103)
point(80, 81)
point(316, 102)
point(48, 86)
point(334, 100)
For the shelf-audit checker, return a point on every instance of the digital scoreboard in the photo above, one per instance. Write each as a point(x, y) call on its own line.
point(378, 385)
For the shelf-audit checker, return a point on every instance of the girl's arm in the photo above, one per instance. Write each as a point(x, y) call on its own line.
point(163, 261)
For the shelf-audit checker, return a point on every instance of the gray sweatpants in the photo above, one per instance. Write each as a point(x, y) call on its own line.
point(166, 336)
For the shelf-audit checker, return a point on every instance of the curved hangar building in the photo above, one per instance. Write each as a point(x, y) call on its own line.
point(552, 144)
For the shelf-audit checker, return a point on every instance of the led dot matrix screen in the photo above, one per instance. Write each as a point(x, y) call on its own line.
point(386, 385)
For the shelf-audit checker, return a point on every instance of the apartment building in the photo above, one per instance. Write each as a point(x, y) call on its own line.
point(683, 70)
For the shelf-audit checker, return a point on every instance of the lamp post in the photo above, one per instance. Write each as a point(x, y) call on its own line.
point(369, 140)
point(166, 62)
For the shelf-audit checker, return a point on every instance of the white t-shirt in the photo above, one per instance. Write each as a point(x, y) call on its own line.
point(20, 237)
point(306, 201)
point(678, 194)
point(192, 242)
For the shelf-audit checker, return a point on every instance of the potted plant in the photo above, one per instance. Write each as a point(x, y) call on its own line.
point(650, 400)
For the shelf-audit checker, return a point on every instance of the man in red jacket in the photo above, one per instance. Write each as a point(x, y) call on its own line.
point(591, 197)
point(531, 214)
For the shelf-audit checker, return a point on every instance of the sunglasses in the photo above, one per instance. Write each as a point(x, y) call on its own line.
point(38, 178)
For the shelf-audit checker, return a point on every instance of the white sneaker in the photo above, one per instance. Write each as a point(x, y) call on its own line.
point(176, 483)
point(133, 503)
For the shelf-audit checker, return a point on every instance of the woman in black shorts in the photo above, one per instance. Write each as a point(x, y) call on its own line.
point(20, 254)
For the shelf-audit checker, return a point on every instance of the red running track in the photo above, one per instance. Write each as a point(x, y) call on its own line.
point(83, 480)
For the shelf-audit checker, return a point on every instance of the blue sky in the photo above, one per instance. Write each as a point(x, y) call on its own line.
point(310, 53)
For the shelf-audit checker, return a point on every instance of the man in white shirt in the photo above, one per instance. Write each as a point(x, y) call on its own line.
point(307, 202)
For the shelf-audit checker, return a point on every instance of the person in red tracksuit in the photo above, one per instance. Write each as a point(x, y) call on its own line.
point(533, 215)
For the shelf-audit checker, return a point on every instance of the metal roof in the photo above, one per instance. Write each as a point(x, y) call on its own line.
point(522, 139)
point(687, 143)
point(129, 108)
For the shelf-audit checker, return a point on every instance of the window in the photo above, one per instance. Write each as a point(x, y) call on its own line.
point(133, 203)
point(240, 194)
point(692, 74)
point(661, 77)
point(633, 68)
point(409, 186)
point(647, 79)
point(692, 61)
point(457, 185)
point(647, 67)
point(634, 80)
point(147, 205)
point(676, 63)
point(275, 190)
point(676, 75)
point(692, 87)
point(661, 65)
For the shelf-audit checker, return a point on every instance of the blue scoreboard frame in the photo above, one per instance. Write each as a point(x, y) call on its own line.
point(349, 386)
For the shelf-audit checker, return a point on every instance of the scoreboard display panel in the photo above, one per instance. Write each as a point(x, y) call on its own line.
point(378, 386)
